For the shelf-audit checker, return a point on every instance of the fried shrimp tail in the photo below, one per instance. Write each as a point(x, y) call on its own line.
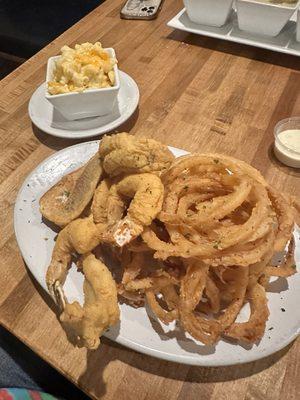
point(80, 236)
point(146, 192)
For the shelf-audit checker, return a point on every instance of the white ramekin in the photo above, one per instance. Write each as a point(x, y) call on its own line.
point(208, 12)
point(263, 18)
point(90, 102)
point(285, 154)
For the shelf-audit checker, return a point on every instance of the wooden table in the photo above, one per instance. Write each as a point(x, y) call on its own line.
point(199, 94)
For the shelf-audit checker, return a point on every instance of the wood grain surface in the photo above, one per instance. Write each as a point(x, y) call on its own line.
point(197, 93)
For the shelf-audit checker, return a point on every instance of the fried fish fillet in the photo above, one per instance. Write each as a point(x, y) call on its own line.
point(126, 154)
point(66, 200)
point(100, 310)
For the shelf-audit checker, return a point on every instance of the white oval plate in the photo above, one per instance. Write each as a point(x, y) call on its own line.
point(49, 120)
point(137, 330)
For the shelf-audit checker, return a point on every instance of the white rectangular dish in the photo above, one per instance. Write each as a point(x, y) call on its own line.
point(263, 18)
point(285, 42)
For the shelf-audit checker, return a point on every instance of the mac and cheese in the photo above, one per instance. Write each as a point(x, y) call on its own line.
point(86, 66)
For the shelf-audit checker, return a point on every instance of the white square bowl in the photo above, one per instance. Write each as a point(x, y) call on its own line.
point(208, 12)
point(263, 18)
point(90, 102)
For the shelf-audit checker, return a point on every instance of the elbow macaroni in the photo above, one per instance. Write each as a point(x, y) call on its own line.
point(86, 66)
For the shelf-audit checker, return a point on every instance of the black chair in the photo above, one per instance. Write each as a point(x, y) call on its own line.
point(27, 26)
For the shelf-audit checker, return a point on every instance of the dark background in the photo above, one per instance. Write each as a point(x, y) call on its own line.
point(26, 26)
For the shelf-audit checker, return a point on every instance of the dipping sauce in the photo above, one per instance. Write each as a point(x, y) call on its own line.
point(287, 147)
point(291, 139)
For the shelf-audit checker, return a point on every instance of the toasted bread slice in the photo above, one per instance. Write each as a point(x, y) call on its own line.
point(67, 199)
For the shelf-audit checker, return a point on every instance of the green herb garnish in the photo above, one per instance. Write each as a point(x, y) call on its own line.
point(217, 244)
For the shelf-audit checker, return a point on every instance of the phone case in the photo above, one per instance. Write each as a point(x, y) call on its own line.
point(141, 9)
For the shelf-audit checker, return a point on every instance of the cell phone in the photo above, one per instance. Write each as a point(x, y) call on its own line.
point(141, 9)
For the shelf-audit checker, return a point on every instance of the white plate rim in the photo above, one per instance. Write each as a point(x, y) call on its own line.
point(131, 344)
point(87, 133)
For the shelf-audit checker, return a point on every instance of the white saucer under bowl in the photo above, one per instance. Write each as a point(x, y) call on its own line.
point(49, 120)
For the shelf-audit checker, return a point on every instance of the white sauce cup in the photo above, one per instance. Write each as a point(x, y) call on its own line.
point(287, 155)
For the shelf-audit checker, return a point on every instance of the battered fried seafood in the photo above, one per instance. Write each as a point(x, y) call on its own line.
point(120, 210)
point(80, 236)
point(106, 224)
point(125, 154)
point(194, 238)
point(100, 310)
point(146, 192)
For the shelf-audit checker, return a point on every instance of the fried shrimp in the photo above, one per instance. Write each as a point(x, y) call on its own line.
point(126, 154)
point(66, 200)
point(100, 310)
point(81, 236)
point(146, 192)
point(84, 234)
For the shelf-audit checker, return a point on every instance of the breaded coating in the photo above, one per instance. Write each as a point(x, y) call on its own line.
point(80, 236)
point(146, 192)
point(126, 154)
point(100, 310)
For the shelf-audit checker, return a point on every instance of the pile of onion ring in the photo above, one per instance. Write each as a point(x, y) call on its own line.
point(215, 238)
point(193, 237)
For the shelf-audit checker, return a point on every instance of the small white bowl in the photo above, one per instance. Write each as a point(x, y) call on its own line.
point(90, 102)
point(208, 12)
point(263, 18)
point(287, 155)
